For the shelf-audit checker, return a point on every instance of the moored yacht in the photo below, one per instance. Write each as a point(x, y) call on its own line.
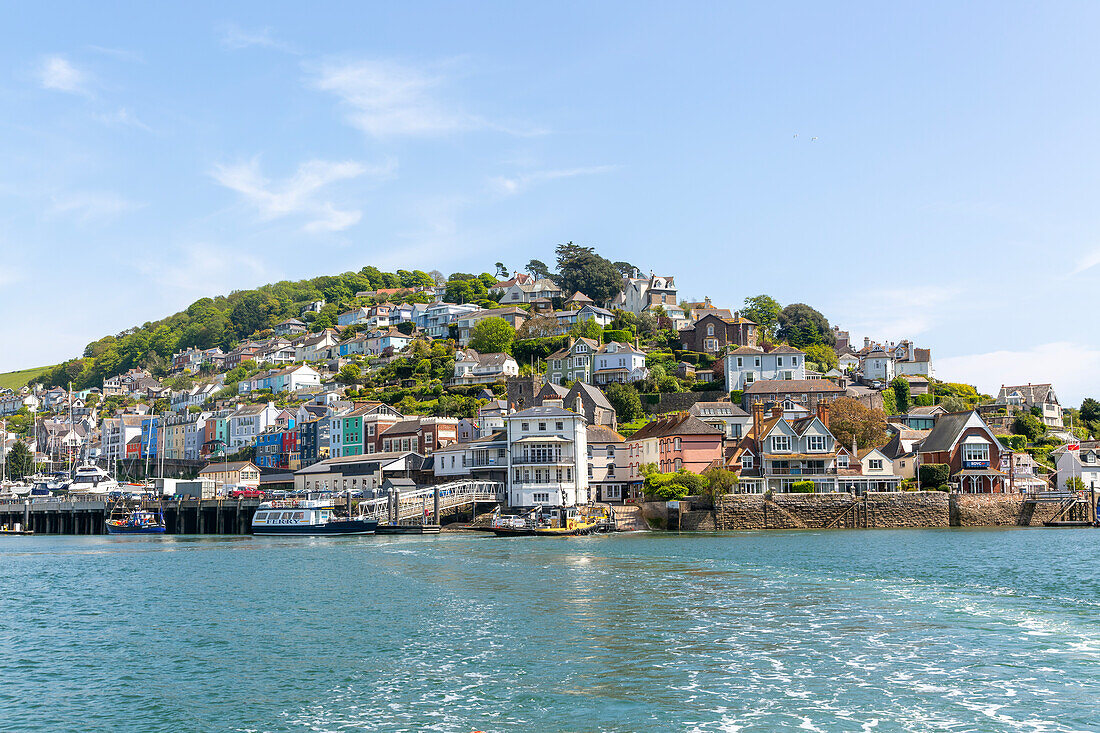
point(91, 479)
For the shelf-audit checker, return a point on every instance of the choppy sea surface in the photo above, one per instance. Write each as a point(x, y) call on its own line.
point(953, 630)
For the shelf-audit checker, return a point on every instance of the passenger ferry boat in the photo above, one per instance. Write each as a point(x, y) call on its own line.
point(554, 522)
point(307, 517)
point(138, 521)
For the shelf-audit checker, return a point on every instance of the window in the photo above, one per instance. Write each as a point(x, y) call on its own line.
point(779, 361)
point(758, 362)
point(746, 460)
point(610, 451)
point(678, 464)
point(975, 452)
point(542, 427)
point(842, 460)
point(589, 470)
point(781, 443)
point(794, 361)
point(541, 497)
point(676, 444)
point(740, 361)
point(816, 443)
point(710, 329)
point(525, 426)
point(875, 464)
point(559, 425)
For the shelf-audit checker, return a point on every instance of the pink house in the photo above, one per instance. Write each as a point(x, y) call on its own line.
point(673, 442)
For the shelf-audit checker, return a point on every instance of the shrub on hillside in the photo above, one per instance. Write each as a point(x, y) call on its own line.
point(934, 475)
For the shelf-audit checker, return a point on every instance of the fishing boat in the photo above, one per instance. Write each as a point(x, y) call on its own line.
point(136, 521)
point(553, 522)
point(308, 518)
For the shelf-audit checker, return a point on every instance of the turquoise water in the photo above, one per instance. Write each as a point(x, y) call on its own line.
point(928, 630)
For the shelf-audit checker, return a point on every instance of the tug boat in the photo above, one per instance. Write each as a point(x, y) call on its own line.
point(554, 522)
point(137, 521)
point(308, 518)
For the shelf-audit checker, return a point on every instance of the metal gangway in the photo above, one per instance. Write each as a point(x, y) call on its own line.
point(432, 502)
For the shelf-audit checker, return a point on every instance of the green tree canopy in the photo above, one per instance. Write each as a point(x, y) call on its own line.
point(802, 326)
point(821, 355)
point(626, 401)
point(902, 400)
point(538, 269)
point(581, 270)
point(492, 335)
point(20, 460)
point(1029, 425)
point(763, 310)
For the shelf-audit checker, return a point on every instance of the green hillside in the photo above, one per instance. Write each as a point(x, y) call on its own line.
point(15, 380)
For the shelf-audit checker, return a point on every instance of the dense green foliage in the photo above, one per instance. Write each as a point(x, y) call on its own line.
point(824, 356)
point(764, 311)
point(1028, 425)
point(492, 336)
point(224, 321)
point(934, 475)
point(1013, 442)
point(802, 326)
point(802, 487)
point(671, 486)
point(20, 461)
point(624, 398)
point(902, 398)
point(580, 269)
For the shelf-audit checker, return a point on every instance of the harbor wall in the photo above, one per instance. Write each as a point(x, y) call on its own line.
point(877, 510)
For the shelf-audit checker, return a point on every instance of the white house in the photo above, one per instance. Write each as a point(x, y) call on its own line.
point(879, 365)
point(317, 347)
point(547, 457)
point(608, 464)
point(645, 294)
point(472, 367)
point(1083, 464)
point(618, 362)
point(748, 364)
point(247, 422)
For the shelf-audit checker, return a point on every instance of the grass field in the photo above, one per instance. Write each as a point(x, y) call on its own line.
point(15, 380)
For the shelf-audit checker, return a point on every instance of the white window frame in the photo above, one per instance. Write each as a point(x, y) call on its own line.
point(781, 440)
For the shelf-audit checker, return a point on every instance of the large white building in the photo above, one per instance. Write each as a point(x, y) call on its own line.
point(1083, 464)
point(547, 457)
point(749, 364)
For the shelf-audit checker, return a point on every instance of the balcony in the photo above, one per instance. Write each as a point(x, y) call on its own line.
point(552, 460)
point(798, 471)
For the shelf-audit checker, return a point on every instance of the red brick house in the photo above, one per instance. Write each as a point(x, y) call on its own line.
point(963, 441)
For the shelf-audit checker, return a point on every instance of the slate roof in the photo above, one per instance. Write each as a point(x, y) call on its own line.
point(1033, 394)
point(544, 411)
point(726, 409)
point(784, 386)
point(947, 430)
point(603, 434)
point(590, 394)
point(680, 424)
point(220, 467)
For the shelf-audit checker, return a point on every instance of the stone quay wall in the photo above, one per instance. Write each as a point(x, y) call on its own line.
point(881, 510)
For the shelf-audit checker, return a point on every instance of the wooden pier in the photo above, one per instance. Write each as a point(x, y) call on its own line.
point(182, 516)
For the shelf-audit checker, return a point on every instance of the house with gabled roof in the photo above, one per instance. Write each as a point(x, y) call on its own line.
point(1017, 397)
point(713, 333)
point(289, 327)
point(574, 363)
point(673, 442)
point(547, 457)
point(472, 367)
point(618, 362)
point(731, 419)
point(966, 443)
point(607, 464)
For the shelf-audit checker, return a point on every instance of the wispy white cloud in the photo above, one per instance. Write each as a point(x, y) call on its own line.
point(236, 38)
point(516, 184)
point(120, 54)
point(122, 117)
point(1088, 261)
point(1070, 367)
point(387, 99)
point(90, 206)
point(298, 194)
point(56, 73)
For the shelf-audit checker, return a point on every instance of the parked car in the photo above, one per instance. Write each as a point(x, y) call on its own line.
point(246, 494)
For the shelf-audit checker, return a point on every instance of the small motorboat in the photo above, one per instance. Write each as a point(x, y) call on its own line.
point(137, 521)
point(553, 522)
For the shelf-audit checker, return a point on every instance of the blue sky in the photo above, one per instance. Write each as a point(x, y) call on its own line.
point(924, 172)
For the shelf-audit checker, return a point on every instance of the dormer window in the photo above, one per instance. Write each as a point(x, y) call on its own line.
point(842, 460)
point(746, 460)
point(781, 443)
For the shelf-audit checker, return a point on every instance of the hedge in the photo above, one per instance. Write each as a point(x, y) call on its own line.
point(1015, 442)
point(802, 487)
point(621, 335)
point(934, 475)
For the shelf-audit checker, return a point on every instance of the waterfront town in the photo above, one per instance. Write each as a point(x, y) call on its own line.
point(562, 397)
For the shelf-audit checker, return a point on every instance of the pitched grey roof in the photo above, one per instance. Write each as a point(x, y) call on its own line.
point(784, 386)
point(721, 409)
point(544, 411)
point(945, 432)
point(591, 394)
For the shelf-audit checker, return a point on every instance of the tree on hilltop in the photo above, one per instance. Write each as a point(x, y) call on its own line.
point(581, 270)
point(802, 326)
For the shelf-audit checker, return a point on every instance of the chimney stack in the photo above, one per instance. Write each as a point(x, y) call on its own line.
point(777, 410)
point(758, 422)
point(866, 341)
point(823, 412)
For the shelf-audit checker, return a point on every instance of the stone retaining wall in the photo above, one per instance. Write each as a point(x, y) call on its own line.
point(882, 510)
point(999, 510)
point(897, 509)
point(680, 401)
